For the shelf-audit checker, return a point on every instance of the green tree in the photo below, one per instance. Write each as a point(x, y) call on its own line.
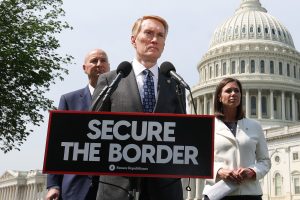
point(29, 64)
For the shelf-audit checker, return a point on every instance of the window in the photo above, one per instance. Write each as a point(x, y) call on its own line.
point(242, 66)
point(275, 104)
point(273, 31)
point(277, 159)
point(259, 29)
point(262, 66)
point(295, 71)
point(244, 29)
point(236, 30)
point(253, 105)
point(280, 68)
point(251, 29)
point(210, 72)
point(295, 156)
point(288, 69)
point(297, 185)
point(224, 69)
point(217, 70)
point(233, 67)
point(278, 182)
point(266, 30)
point(252, 70)
point(271, 67)
point(264, 106)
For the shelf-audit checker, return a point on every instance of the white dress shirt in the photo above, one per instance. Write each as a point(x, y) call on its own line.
point(138, 69)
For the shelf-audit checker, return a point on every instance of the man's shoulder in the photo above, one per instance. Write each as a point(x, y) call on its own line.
point(75, 92)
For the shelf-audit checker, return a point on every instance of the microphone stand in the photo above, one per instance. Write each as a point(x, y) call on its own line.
point(100, 96)
point(181, 98)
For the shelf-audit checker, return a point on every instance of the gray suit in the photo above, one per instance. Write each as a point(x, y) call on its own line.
point(126, 98)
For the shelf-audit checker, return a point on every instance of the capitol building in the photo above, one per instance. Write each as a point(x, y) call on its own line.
point(254, 47)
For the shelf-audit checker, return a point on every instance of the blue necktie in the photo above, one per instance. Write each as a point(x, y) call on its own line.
point(148, 96)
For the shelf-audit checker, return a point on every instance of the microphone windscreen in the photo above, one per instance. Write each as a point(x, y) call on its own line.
point(166, 67)
point(125, 68)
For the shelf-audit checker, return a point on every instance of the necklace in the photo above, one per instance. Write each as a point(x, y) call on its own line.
point(232, 126)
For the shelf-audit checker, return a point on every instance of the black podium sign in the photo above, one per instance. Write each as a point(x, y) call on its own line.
point(129, 144)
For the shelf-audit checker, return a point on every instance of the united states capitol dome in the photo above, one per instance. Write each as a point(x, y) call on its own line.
point(251, 22)
point(257, 49)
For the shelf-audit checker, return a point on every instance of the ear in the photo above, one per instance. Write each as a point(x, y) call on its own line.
point(133, 38)
point(84, 68)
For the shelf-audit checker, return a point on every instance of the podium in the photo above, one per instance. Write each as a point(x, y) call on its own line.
point(130, 144)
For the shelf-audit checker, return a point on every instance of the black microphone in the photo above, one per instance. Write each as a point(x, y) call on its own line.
point(169, 70)
point(123, 70)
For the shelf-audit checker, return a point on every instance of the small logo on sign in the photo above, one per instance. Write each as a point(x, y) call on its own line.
point(112, 167)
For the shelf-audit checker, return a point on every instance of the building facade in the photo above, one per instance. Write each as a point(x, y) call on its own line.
point(23, 185)
point(257, 49)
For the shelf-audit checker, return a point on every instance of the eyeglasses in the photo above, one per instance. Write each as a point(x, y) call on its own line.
point(230, 90)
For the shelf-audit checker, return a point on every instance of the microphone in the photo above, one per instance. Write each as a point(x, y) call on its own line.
point(169, 70)
point(123, 70)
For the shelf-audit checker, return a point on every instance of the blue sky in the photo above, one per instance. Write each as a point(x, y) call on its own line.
point(107, 25)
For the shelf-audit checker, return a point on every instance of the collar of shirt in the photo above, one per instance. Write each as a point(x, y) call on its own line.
point(91, 88)
point(138, 68)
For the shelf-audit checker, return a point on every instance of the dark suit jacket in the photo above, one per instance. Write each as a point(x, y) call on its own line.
point(126, 98)
point(74, 186)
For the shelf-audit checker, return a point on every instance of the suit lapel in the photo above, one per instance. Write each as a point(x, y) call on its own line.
point(133, 92)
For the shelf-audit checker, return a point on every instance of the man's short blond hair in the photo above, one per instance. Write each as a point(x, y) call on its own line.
point(137, 25)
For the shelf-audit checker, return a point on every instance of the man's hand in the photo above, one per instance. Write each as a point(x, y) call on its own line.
point(53, 194)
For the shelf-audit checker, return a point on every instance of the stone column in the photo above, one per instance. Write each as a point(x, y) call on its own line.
point(14, 192)
point(283, 106)
point(212, 104)
point(28, 192)
point(247, 104)
point(5, 192)
point(35, 190)
point(272, 104)
point(259, 104)
point(198, 105)
point(205, 104)
point(293, 107)
point(199, 188)
point(9, 192)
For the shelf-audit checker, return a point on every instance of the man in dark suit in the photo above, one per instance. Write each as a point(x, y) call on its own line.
point(148, 38)
point(78, 187)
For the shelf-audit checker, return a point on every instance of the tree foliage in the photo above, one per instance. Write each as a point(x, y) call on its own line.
point(29, 64)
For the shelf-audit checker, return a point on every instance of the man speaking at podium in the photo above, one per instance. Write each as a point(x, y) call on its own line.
point(145, 89)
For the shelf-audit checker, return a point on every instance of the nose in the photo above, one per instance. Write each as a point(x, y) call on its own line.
point(154, 39)
point(98, 62)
